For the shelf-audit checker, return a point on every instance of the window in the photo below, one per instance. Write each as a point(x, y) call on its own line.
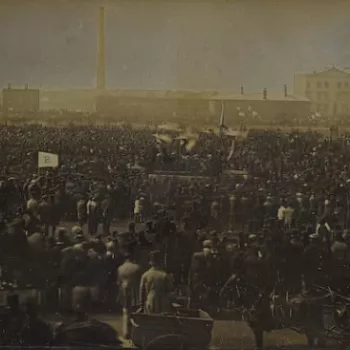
point(322, 107)
point(346, 84)
point(339, 85)
point(319, 95)
point(319, 85)
point(326, 84)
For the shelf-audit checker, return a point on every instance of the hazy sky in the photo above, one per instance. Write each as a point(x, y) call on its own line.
point(205, 45)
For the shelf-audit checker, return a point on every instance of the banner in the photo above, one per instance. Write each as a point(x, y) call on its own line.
point(47, 160)
point(172, 127)
point(163, 138)
point(232, 150)
point(236, 133)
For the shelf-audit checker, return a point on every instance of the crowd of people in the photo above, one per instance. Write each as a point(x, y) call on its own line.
point(282, 226)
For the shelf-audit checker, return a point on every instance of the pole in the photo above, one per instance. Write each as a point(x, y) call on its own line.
point(101, 69)
point(347, 209)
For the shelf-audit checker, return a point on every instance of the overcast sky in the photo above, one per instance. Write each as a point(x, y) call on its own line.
point(200, 45)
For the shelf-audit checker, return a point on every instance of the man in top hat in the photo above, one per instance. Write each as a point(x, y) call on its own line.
point(155, 287)
point(93, 212)
point(201, 273)
point(107, 213)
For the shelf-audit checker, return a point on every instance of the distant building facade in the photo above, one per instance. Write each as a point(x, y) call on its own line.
point(20, 100)
point(148, 105)
point(328, 90)
point(205, 106)
point(68, 100)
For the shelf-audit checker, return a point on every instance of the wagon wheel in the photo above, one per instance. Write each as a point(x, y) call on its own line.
point(177, 341)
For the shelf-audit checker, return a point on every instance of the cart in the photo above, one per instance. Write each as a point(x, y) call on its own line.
point(185, 329)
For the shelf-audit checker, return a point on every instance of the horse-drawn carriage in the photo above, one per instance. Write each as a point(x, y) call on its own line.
point(181, 329)
point(184, 329)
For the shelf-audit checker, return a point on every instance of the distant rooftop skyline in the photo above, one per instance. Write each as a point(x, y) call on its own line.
point(179, 45)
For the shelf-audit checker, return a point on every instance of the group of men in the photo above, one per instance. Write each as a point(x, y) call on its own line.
point(285, 220)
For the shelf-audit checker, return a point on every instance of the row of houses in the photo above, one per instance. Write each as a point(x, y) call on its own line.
point(181, 105)
point(326, 92)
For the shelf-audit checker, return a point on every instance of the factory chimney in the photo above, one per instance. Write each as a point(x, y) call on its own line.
point(101, 69)
point(265, 94)
point(242, 90)
point(285, 91)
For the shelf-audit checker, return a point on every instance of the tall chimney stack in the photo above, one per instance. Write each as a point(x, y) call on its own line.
point(285, 91)
point(242, 90)
point(101, 69)
point(265, 94)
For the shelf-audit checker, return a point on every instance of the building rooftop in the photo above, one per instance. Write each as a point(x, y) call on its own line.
point(205, 95)
point(343, 70)
point(173, 94)
point(271, 96)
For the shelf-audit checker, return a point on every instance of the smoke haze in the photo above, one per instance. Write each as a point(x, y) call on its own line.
point(216, 45)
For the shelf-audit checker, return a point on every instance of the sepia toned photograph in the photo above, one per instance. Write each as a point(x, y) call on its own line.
point(174, 174)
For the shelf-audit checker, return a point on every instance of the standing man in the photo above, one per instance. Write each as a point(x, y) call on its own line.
point(93, 215)
point(200, 275)
point(45, 214)
point(81, 211)
point(106, 208)
point(129, 274)
point(155, 287)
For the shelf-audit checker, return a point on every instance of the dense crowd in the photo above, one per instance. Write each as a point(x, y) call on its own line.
point(280, 223)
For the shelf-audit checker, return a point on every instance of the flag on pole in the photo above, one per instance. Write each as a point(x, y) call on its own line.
point(188, 141)
point(222, 117)
point(236, 133)
point(232, 150)
point(47, 160)
point(190, 144)
point(172, 127)
point(163, 138)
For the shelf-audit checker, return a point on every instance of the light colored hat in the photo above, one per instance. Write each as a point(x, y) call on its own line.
point(110, 246)
point(314, 236)
point(76, 230)
point(78, 246)
point(207, 243)
point(252, 237)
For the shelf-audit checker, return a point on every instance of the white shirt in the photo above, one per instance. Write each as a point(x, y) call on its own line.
point(90, 205)
point(138, 207)
point(281, 212)
point(288, 215)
